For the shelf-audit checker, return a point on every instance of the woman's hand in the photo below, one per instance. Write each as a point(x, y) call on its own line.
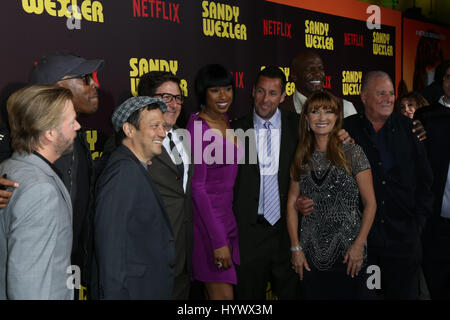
point(299, 262)
point(354, 258)
point(222, 257)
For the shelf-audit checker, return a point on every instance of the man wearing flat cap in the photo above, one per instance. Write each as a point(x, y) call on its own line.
point(134, 243)
point(76, 167)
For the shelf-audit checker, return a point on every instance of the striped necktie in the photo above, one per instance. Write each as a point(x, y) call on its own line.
point(270, 185)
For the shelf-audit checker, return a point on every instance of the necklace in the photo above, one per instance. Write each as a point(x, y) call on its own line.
point(320, 165)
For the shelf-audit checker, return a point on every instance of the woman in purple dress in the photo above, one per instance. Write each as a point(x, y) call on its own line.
point(215, 149)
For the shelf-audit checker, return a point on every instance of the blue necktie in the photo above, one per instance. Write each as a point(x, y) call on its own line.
point(270, 184)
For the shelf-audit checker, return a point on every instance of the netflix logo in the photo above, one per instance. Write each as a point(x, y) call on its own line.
point(353, 39)
point(157, 10)
point(239, 79)
point(277, 28)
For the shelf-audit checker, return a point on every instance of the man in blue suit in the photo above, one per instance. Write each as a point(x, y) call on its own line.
point(134, 243)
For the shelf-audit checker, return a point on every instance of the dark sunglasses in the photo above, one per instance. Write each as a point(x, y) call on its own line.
point(85, 77)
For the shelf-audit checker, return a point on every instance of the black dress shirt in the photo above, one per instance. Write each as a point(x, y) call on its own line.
point(402, 178)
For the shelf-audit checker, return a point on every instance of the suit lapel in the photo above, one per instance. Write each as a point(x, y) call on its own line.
point(38, 162)
point(286, 140)
point(165, 159)
point(145, 173)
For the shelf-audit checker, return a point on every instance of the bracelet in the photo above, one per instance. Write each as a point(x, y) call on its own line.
point(297, 248)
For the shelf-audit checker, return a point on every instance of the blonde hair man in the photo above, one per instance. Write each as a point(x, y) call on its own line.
point(36, 226)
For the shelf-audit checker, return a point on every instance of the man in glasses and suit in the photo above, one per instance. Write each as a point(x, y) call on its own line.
point(76, 74)
point(172, 173)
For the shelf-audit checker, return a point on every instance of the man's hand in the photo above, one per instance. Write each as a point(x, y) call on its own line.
point(5, 195)
point(345, 137)
point(419, 130)
point(304, 205)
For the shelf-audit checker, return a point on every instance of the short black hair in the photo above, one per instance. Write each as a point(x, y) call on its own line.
point(441, 70)
point(134, 119)
point(152, 80)
point(209, 76)
point(272, 72)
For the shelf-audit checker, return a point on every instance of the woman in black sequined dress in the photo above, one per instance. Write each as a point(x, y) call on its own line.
point(329, 243)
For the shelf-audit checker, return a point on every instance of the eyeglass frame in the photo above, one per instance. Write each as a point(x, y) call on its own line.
point(178, 98)
point(85, 77)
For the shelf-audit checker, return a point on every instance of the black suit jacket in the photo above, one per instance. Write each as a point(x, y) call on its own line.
point(247, 185)
point(438, 150)
point(178, 205)
point(434, 110)
point(403, 194)
point(134, 242)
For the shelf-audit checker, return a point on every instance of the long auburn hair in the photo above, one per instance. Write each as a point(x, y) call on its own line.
point(307, 141)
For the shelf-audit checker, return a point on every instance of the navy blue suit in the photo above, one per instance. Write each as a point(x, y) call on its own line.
point(134, 243)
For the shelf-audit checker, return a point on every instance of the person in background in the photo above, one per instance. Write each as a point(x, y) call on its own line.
point(442, 106)
point(436, 234)
point(308, 74)
point(408, 103)
point(36, 226)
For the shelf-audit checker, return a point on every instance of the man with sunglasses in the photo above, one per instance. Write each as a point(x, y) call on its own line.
point(76, 167)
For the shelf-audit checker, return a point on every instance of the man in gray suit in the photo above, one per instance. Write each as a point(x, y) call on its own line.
point(172, 173)
point(36, 226)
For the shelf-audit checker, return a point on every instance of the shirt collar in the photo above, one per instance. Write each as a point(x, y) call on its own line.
point(441, 101)
point(387, 125)
point(52, 166)
point(275, 121)
point(299, 100)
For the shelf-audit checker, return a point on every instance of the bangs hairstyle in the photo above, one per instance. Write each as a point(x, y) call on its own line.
point(307, 141)
point(32, 111)
point(413, 95)
point(209, 76)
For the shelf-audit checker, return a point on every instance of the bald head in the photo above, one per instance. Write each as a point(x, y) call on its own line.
point(308, 72)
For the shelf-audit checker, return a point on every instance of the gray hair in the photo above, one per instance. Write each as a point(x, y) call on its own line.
point(370, 75)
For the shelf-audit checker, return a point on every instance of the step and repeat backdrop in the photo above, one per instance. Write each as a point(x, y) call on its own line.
point(180, 36)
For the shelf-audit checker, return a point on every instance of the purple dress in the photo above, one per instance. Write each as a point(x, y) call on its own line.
point(215, 169)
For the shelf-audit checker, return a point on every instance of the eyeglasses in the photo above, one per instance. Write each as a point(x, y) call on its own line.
point(167, 97)
point(85, 77)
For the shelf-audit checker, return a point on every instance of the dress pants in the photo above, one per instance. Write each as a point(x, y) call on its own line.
point(399, 267)
point(268, 261)
point(436, 258)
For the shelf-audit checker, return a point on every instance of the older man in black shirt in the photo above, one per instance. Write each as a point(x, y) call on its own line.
point(402, 180)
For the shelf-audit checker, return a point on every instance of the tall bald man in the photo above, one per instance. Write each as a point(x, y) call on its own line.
point(308, 73)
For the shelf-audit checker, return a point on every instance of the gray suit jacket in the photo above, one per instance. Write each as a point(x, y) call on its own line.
point(178, 206)
point(35, 232)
